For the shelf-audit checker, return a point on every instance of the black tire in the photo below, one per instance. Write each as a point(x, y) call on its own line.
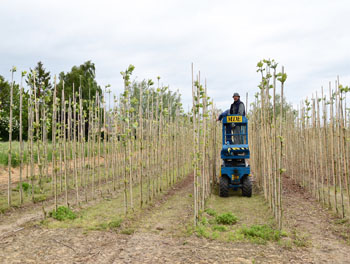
point(224, 186)
point(247, 187)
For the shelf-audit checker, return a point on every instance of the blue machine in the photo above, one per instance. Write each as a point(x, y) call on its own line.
point(235, 171)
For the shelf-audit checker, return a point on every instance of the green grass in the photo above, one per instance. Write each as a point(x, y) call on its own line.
point(28, 188)
point(202, 231)
point(249, 211)
point(43, 189)
point(111, 225)
point(15, 158)
point(241, 219)
point(219, 228)
point(41, 193)
point(332, 199)
point(238, 218)
point(128, 231)
point(260, 233)
point(210, 212)
point(226, 219)
point(342, 228)
point(63, 213)
point(257, 234)
point(108, 214)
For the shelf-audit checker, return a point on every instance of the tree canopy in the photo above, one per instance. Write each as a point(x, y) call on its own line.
point(80, 76)
point(167, 100)
point(5, 88)
point(42, 79)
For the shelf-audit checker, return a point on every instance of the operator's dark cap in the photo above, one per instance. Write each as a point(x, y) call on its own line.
point(236, 94)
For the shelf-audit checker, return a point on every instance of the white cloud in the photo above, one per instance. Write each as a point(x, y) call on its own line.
point(224, 39)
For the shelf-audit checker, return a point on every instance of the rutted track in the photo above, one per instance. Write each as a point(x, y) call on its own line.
point(158, 237)
point(304, 213)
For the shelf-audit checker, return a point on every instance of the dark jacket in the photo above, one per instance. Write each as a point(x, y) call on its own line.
point(237, 108)
point(223, 114)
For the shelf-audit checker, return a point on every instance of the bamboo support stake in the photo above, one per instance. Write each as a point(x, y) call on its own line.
point(9, 189)
point(31, 130)
point(194, 151)
point(65, 147)
point(75, 146)
point(141, 146)
point(332, 149)
point(339, 143)
point(54, 169)
point(21, 140)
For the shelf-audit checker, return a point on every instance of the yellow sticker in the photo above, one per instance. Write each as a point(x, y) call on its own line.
point(234, 119)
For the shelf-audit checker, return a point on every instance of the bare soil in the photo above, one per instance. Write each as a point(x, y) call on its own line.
point(327, 236)
point(158, 235)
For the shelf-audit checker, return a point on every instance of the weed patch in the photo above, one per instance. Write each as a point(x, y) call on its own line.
point(202, 231)
point(204, 221)
point(260, 233)
point(220, 228)
point(211, 212)
point(226, 219)
point(39, 198)
point(63, 213)
point(114, 224)
point(128, 231)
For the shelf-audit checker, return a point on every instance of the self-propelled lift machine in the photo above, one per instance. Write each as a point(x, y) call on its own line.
point(235, 170)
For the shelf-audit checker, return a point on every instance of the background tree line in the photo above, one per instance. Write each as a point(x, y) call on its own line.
point(80, 78)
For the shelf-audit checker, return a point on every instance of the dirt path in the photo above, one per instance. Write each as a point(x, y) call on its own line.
point(159, 238)
point(304, 213)
point(158, 235)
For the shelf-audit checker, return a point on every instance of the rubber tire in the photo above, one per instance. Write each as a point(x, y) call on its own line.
point(224, 186)
point(247, 187)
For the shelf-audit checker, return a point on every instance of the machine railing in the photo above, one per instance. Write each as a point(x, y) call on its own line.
point(235, 130)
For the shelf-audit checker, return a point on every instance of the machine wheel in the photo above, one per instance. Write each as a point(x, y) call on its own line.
point(224, 186)
point(247, 187)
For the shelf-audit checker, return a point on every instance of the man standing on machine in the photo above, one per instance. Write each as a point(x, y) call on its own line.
point(237, 108)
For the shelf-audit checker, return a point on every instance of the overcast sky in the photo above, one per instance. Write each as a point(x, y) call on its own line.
point(224, 39)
